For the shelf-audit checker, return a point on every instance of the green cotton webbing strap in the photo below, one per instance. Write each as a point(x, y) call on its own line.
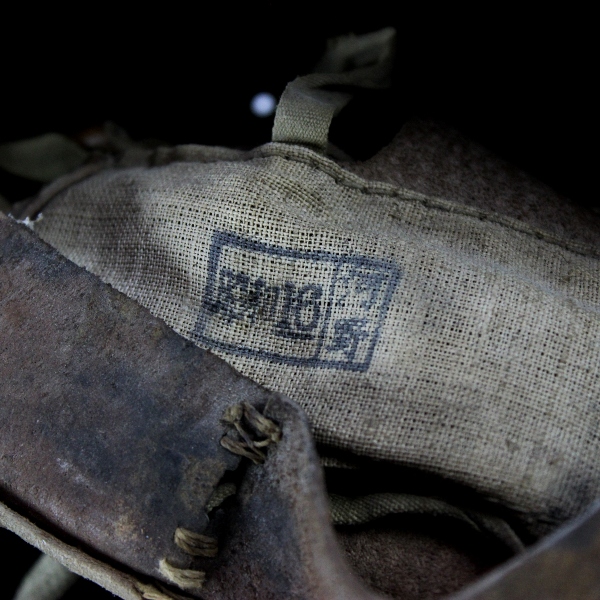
point(46, 580)
point(364, 509)
point(309, 103)
point(43, 158)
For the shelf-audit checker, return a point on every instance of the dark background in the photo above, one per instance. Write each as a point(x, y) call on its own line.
point(521, 83)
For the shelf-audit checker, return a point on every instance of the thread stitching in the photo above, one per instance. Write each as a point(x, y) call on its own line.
point(186, 579)
point(151, 592)
point(430, 202)
point(193, 544)
point(342, 178)
point(348, 180)
point(253, 432)
point(221, 493)
point(196, 544)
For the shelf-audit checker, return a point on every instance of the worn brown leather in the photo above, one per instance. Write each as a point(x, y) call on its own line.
point(562, 566)
point(110, 439)
point(434, 160)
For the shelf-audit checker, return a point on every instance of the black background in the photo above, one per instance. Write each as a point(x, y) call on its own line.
point(521, 82)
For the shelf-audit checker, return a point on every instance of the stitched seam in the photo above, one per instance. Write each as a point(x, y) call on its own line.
point(343, 178)
point(251, 432)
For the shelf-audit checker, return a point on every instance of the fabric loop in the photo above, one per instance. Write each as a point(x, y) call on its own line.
point(309, 103)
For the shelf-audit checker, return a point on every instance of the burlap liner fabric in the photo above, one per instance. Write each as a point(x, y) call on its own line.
point(411, 329)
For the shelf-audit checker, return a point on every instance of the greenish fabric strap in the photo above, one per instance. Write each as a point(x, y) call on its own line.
point(43, 158)
point(309, 103)
point(4, 205)
point(364, 509)
point(46, 580)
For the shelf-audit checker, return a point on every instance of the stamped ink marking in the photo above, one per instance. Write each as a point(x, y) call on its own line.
point(306, 308)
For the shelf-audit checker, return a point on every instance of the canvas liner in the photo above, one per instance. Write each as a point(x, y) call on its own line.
point(411, 329)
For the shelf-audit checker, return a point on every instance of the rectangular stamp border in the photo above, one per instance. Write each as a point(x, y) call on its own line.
point(233, 240)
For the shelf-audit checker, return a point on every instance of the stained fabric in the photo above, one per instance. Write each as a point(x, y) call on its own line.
point(410, 328)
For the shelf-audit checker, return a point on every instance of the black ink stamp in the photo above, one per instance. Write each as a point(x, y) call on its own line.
point(306, 308)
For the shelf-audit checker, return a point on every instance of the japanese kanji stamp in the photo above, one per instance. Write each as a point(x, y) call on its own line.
point(307, 308)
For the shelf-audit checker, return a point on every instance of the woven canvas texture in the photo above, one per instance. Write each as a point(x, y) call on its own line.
point(409, 328)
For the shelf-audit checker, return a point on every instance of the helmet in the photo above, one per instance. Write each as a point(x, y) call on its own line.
point(444, 355)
